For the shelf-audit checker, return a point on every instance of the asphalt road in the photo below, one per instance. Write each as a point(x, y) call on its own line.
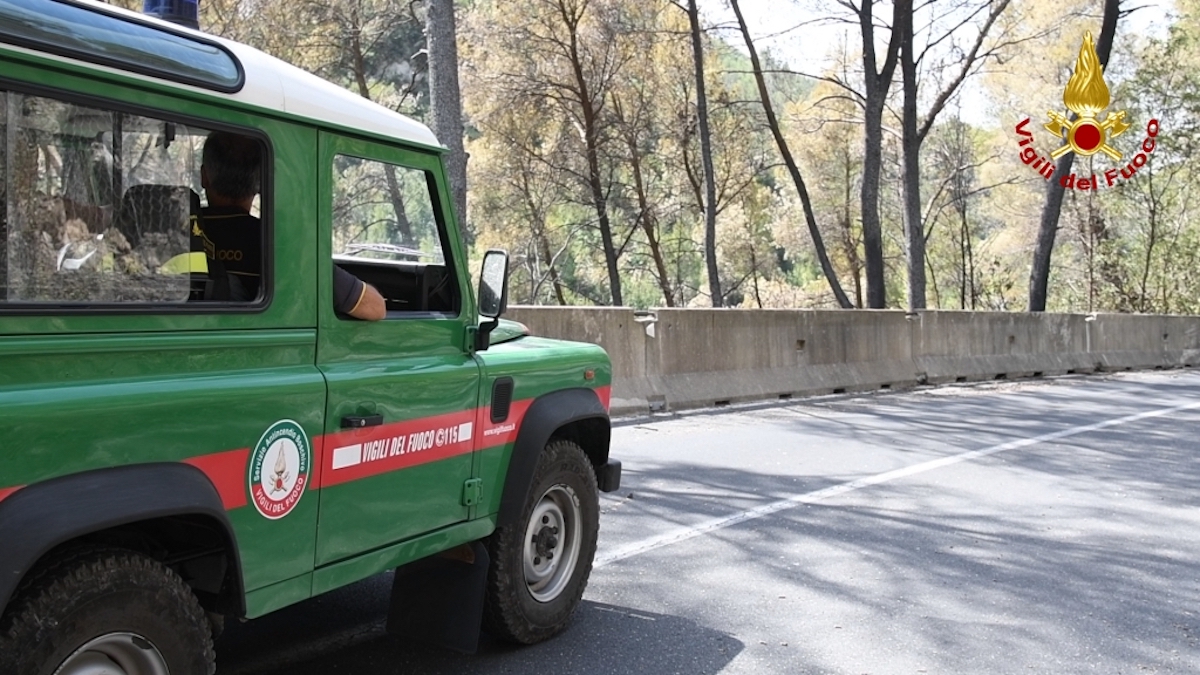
point(1045, 526)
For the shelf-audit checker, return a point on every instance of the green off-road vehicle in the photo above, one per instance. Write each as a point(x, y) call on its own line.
point(173, 452)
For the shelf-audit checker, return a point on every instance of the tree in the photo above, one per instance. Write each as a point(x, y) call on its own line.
point(1146, 263)
point(1039, 275)
point(638, 132)
point(445, 103)
point(957, 211)
point(569, 54)
point(710, 186)
point(793, 170)
point(877, 79)
point(915, 130)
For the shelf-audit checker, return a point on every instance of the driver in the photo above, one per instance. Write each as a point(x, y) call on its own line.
point(230, 174)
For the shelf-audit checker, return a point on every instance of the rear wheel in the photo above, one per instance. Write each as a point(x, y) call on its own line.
point(541, 563)
point(106, 611)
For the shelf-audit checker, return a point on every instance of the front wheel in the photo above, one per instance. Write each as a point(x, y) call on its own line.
point(108, 611)
point(541, 563)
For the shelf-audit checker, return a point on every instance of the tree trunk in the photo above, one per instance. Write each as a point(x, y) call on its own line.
point(754, 271)
point(544, 250)
point(849, 242)
point(403, 227)
point(537, 218)
point(915, 130)
point(1151, 239)
point(872, 229)
point(633, 133)
point(1039, 274)
point(773, 123)
point(595, 180)
point(877, 82)
point(914, 228)
point(445, 102)
point(964, 247)
point(710, 185)
point(606, 238)
point(639, 185)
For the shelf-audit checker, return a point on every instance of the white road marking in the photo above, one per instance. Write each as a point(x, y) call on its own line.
point(684, 533)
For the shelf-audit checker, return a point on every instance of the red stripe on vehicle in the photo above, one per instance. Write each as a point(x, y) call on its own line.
point(4, 492)
point(360, 453)
point(502, 433)
point(605, 394)
point(227, 471)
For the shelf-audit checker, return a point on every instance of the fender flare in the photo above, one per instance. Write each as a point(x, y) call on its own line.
point(545, 415)
point(38, 517)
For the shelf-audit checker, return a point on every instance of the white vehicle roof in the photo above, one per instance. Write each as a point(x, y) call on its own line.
point(277, 85)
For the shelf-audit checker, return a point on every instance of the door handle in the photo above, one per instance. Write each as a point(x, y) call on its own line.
point(361, 421)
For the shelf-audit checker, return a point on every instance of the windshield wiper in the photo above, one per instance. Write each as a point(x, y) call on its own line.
point(355, 249)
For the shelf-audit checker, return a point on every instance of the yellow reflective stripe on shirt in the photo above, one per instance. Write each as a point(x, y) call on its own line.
point(361, 295)
point(185, 263)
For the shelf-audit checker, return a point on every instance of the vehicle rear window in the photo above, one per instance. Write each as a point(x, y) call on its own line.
point(106, 39)
point(102, 208)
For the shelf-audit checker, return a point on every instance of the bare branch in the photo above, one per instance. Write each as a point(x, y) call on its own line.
point(967, 64)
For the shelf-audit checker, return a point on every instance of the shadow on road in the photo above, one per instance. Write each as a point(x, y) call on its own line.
point(343, 632)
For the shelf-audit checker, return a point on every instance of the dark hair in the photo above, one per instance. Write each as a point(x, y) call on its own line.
point(232, 163)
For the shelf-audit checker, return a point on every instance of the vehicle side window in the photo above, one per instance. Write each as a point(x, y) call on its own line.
point(100, 207)
point(386, 231)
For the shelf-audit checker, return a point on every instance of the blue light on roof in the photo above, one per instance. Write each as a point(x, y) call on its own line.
point(182, 12)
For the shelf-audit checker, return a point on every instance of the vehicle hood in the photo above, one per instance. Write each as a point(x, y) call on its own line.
point(507, 331)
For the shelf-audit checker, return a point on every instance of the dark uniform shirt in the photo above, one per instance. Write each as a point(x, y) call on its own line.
point(237, 236)
point(348, 290)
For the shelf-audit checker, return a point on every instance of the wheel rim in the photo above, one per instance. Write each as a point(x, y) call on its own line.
point(552, 543)
point(115, 654)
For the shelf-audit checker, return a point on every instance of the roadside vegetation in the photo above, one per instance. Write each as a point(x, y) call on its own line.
point(656, 153)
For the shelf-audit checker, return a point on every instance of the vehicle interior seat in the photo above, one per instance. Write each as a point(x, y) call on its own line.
point(149, 209)
point(169, 216)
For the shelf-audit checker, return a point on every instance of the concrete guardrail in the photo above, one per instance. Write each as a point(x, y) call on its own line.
point(673, 359)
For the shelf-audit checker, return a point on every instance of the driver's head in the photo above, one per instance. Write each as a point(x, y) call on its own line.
point(231, 167)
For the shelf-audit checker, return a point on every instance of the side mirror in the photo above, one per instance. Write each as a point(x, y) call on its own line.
point(493, 284)
point(493, 295)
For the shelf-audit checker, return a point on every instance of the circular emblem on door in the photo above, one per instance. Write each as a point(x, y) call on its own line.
point(279, 467)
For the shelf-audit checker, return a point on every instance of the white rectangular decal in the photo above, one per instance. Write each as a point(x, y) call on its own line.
point(464, 431)
point(350, 455)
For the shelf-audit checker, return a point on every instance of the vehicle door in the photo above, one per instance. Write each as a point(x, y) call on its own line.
point(402, 391)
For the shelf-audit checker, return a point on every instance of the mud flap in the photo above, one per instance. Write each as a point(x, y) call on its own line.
point(608, 476)
point(439, 600)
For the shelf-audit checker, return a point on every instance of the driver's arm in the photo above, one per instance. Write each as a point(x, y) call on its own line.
point(354, 297)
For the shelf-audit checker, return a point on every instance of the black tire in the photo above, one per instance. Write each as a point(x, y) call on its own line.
point(105, 606)
point(528, 602)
